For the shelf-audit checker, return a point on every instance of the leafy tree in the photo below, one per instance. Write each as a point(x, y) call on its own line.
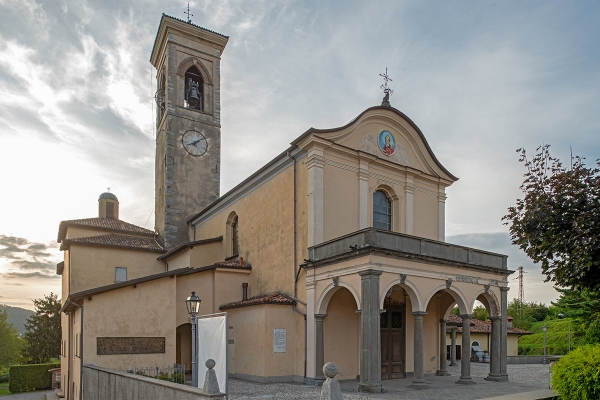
point(557, 223)
point(583, 308)
point(43, 330)
point(525, 314)
point(455, 311)
point(481, 313)
point(10, 342)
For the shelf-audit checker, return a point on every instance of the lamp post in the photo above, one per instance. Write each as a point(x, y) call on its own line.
point(561, 316)
point(193, 307)
point(544, 328)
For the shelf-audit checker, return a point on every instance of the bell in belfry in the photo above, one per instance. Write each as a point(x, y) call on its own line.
point(193, 95)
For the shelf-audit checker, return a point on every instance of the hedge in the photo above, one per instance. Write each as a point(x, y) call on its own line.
point(576, 376)
point(25, 378)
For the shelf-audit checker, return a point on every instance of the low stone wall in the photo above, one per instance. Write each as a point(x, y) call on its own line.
point(526, 359)
point(107, 384)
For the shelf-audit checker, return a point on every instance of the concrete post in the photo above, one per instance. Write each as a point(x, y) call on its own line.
point(419, 380)
point(320, 348)
point(443, 371)
point(194, 353)
point(495, 374)
point(211, 384)
point(503, 331)
point(370, 344)
point(453, 346)
point(331, 387)
point(465, 361)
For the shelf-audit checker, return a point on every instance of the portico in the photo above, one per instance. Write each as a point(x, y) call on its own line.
point(402, 289)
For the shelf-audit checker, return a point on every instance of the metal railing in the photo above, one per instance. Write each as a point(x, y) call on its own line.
point(176, 373)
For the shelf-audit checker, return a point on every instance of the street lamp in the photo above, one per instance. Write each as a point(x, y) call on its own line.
point(545, 328)
point(561, 316)
point(193, 307)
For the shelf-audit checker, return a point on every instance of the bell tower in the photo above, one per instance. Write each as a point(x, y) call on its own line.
point(188, 124)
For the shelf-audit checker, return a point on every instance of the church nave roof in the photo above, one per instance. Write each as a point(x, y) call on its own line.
point(103, 224)
point(115, 240)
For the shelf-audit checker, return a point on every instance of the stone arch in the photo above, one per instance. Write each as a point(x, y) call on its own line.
point(195, 62)
point(458, 296)
point(489, 300)
point(328, 293)
point(411, 290)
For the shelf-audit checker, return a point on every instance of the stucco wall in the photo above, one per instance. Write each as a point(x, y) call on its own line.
point(341, 331)
point(340, 200)
point(144, 311)
point(92, 266)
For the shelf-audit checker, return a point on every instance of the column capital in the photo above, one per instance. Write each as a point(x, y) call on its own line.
point(495, 317)
point(370, 272)
point(419, 313)
point(320, 317)
point(504, 288)
point(453, 328)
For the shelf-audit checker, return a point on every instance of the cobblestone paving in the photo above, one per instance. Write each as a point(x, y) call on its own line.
point(523, 378)
point(39, 395)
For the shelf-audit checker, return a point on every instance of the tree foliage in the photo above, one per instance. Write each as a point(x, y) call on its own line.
point(557, 223)
point(526, 313)
point(480, 313)
point(11, 344)
point(43, 330)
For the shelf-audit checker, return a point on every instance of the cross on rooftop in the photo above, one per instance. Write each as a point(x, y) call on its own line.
point(188, 14)
point(386, 90)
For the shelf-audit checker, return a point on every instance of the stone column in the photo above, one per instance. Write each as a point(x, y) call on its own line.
point(320, 348)
point(442, 371)
point(503, 331)
point(495, 374)
point(370, 344)
point(419, 380)
point(453, 346)
point(465, 362)
point(442, 215)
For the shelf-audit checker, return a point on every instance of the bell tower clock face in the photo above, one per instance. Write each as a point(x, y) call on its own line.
point(194, 143)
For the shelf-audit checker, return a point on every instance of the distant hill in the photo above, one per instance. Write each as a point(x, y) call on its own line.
point(17, 316)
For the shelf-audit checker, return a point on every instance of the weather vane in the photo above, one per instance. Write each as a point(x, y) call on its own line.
point(188, 14)
point(386, 90)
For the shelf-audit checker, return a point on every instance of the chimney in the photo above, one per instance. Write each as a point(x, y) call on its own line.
point(509, 321)
point(244, 291)
point(242, 261)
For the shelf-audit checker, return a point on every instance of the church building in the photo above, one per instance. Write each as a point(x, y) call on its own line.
point(339, 241)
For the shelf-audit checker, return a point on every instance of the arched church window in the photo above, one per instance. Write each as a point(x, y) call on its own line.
point(382, 211)
point(193, 89)
point(234, 237)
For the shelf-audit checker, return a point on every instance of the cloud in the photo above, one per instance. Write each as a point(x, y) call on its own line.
point(26, 275)
point(36, 265)
point(15, 248)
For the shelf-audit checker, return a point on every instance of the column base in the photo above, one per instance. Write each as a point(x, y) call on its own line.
point(370, 388)
point(453, 364)
point(465, 381)
point(309, 381)
point(418, 385)
point(319, 381)
point(495, 378)
point(442, 373)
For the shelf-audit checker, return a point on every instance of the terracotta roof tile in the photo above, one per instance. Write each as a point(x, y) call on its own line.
point(232, 264)
point(114, 240)
point(478, 326)
point(103, 224)
point(275, 298)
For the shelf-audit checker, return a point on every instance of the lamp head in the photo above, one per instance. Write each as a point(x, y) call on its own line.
point(193, 304)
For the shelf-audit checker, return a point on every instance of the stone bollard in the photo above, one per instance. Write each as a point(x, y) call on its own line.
point(331, 387)
point(211, 385)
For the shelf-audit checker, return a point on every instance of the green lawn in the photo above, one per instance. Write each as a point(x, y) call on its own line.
point(4, 389)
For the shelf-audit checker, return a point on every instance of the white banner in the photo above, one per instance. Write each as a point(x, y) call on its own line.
point(212, 343)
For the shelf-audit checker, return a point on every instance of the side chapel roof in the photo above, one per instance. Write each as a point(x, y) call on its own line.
point(274, 298)
point(115, 240)
point(102, 224)
point(478, 326)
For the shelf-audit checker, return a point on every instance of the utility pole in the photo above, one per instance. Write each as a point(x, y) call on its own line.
point(521, 292)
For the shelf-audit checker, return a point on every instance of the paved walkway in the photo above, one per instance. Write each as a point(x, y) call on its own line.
point(523, 378)
point(39, 395)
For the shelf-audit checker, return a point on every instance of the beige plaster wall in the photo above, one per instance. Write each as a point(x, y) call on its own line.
point(206, 254)
point(341, 331)
point(93, 266)
point(266, 233)
point(253, 335)
point(203, 284)
point(512, 341)
point(426, 212)
point(122, 308)
point(66, 276)
point(181, 260)
point(340, 200)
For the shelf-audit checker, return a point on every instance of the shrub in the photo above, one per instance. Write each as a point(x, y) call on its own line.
point(3, 378)
point(25, 378)
point(576, 376)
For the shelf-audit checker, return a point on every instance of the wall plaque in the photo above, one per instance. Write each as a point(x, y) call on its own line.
point(130, 345)
point(279, 340)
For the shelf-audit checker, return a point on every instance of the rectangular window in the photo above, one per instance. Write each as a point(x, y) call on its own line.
point(120, 274)
point(110, 210)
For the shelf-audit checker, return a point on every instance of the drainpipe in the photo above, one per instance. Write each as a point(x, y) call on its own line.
point(80, 351)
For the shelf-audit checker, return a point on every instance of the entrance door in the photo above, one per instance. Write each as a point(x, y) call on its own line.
point(178, 348)
point(393, 334)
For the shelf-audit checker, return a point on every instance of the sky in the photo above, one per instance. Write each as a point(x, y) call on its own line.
point(481, 79)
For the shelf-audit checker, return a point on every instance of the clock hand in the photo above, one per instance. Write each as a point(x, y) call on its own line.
point(194, 143)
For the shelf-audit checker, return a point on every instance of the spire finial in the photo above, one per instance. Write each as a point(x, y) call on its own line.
point(386, 90)
point(188, 14)
point(108, 189)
